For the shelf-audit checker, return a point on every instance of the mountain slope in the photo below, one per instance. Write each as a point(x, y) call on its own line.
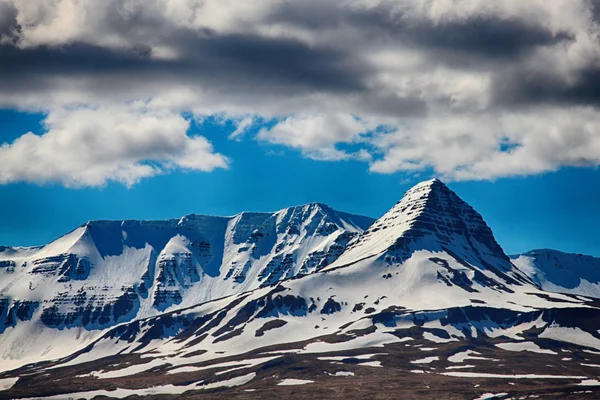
point(107, 272)
point(427, 272)
point(560, 272)
point(432, 217)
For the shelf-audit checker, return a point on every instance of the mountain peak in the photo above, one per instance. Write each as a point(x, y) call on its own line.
point(428, 183)
point(422, 188)
point(431, 217)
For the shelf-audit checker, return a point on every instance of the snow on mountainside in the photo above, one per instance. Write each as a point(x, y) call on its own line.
point(424, 290)
point(108, 272)
point(432, 217)
point(556, 271)
point(428, 271)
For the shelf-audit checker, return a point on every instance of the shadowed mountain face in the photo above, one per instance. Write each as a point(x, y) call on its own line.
point(425, 291)
point(556, 271)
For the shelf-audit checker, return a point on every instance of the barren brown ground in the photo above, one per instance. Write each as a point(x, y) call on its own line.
point(396, 379)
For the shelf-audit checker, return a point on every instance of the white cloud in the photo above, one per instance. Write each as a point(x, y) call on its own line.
point(490, 147)
point(242, 126)
point(317, 134)
point(90, 146)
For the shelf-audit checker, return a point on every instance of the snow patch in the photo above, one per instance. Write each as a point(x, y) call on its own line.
point(491, 396)
point(436, 339)
point(524, 346)
point(589, 382)
point(571, 335)
point(465, 355)
point(7, 383)
point(371, 364)
point(342, 373)
point(293, 382)
point(460, 366)
point(426, 360)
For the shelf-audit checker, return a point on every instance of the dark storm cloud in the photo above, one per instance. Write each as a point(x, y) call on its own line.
point(595, 9)
point(520, 86)
point(211, 60)
point(9, 27)
point(487, 36)
point(495, 44)
point(250, 63)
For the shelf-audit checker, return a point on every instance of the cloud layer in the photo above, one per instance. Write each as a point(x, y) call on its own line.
point(471, 89)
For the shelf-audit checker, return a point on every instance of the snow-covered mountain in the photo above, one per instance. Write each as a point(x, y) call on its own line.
point(108, 272)
point(430, 252)
point(425, 291)
point(560, 272)
point(431, 217)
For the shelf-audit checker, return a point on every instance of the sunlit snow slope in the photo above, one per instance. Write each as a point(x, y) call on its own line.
point(108, 272)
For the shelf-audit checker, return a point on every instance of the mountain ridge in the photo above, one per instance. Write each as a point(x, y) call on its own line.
point(558, 271)
point(426, 279)
point(428, 271)
point(108, 272)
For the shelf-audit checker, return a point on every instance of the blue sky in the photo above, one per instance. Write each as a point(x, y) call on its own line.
point(555, 210)
point(144, 110)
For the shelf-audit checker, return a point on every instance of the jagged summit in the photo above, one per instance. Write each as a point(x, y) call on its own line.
point(107, 272)
point(361, 221)
point(111, 236)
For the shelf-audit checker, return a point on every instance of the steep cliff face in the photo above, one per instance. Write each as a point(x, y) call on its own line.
point(429, 216)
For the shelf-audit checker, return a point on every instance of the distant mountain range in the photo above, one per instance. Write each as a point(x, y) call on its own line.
point(306, 295)
point(556, 271)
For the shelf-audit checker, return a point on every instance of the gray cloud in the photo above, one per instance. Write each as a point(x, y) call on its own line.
point(518, 87)
point(9, 27)
point(595, 9)
point(218, 60)
point(485, 35)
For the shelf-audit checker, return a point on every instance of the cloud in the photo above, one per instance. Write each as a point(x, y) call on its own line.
point(9, 27)
point(88, 147)
point(484, 147)
point(463, 87)
point(533, 86)
point(316, 135)
point(227, 62)
point(488, 33)
point(242, 127)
